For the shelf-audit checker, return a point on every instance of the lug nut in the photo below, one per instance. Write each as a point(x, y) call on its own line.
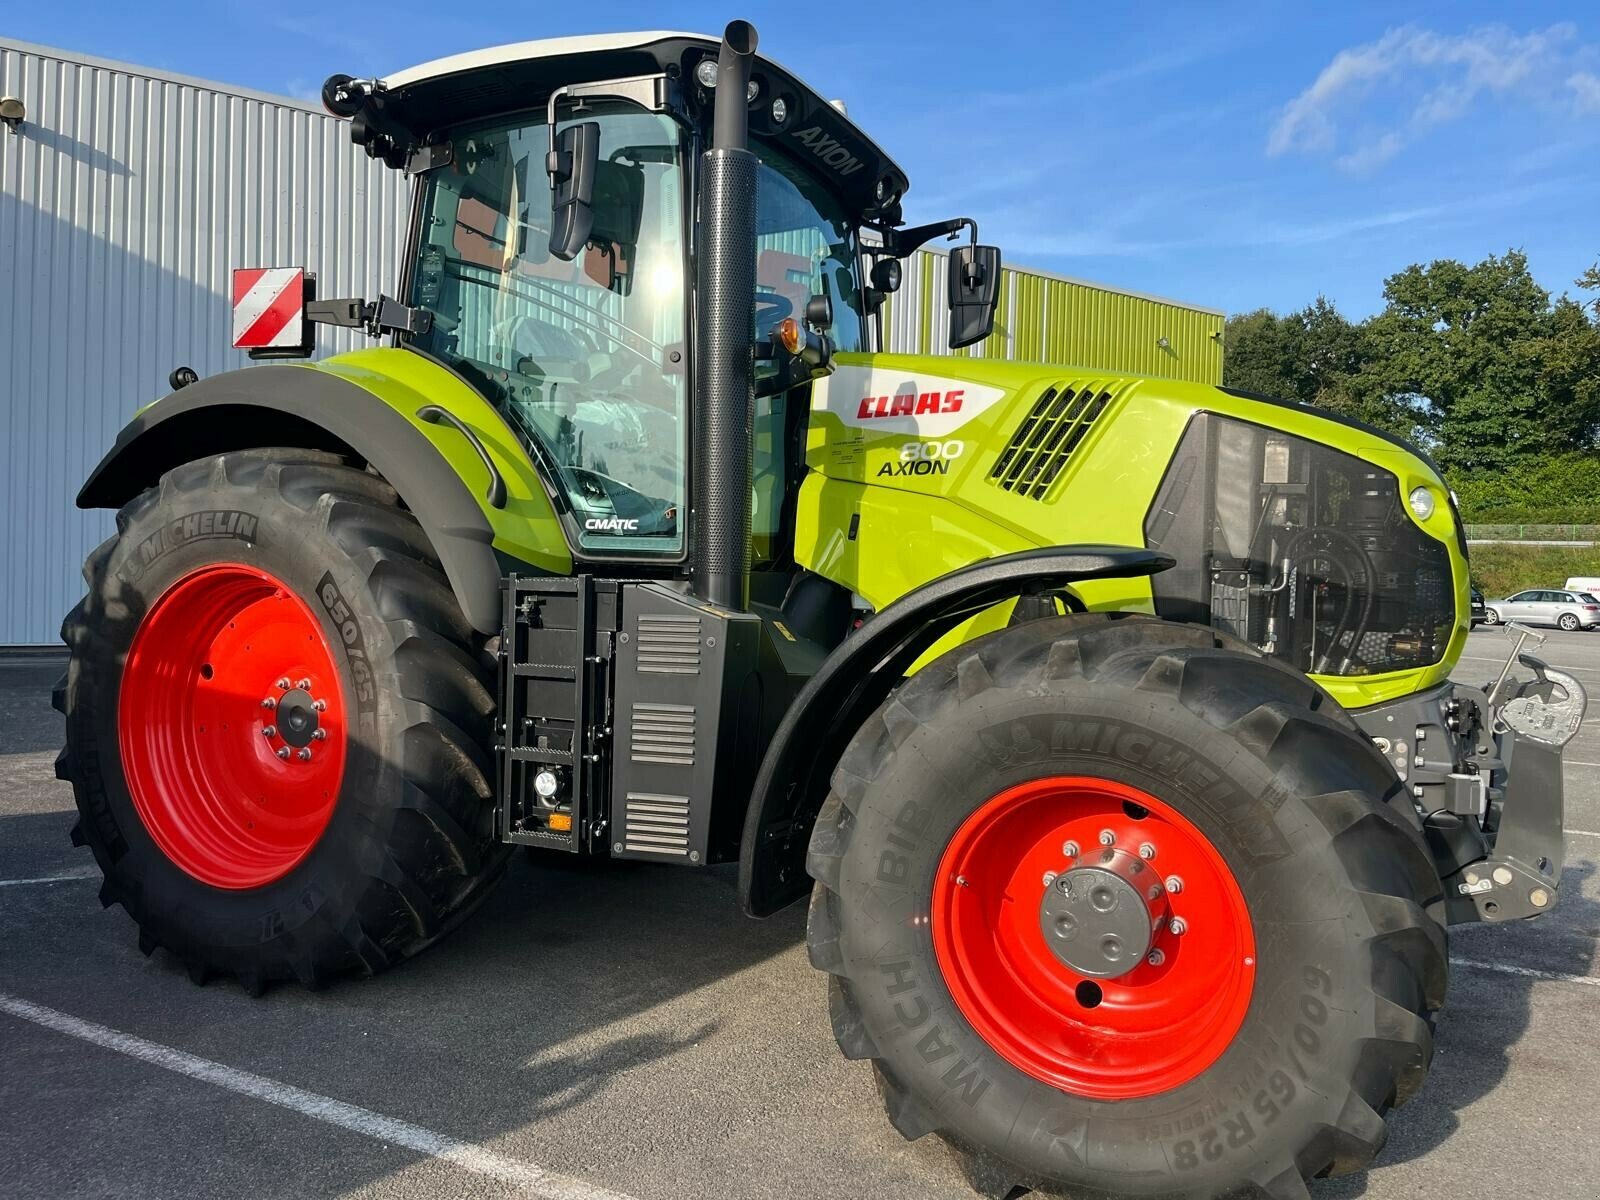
point(283, 753)
point(269, 702)
point(304, 754)
point(1107, 838)
point(1146, 851)
point(269, 731)
point(1174, 885)
point(283, 683)
point(303, 684)
point(319, 735)
point(1070, 849)
point(1178, 926)
point(319, 705)
point(1049, 878)
point(1156, 958)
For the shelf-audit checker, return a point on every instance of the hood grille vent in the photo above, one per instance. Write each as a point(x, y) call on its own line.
point(1046, 438)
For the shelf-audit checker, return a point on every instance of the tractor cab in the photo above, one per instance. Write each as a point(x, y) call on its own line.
point(553, 255)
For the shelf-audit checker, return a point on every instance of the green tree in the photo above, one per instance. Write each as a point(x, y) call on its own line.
point(1590, 281)
point(1500, 376)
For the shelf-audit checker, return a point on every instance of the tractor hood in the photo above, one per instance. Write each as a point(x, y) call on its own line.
point(933, 462)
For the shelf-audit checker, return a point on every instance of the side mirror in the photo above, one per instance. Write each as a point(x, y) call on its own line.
point(572, 166)
point(974, 291)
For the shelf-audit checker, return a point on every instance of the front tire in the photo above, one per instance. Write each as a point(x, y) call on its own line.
point(278, 723)
point(1261, 1046)
point(1491, 616)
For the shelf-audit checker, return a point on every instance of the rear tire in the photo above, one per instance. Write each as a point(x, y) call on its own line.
point(1568, 622)
point(1344, 905)
point(241, 847)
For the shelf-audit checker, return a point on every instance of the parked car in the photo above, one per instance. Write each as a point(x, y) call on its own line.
point(1545, 606)
point(1477, 609)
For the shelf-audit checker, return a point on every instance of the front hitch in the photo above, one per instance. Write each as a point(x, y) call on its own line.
point(1531, 721)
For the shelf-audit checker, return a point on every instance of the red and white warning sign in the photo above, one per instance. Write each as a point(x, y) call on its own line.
point(267, 307)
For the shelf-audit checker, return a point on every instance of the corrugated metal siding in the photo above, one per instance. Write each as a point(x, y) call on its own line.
point(125, 202)
point(1048, 318)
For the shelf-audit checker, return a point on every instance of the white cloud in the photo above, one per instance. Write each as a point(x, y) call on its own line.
point(1420, 79)
point(1585, 88)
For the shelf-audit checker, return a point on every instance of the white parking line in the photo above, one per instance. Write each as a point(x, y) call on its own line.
point(530, 1179)
point(80, 873)
point(1528, 972)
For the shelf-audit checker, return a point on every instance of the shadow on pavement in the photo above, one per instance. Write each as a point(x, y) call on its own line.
point(1485, 1015)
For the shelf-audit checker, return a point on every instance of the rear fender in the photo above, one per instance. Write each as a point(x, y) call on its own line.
point(859, 675)
point(350, 406)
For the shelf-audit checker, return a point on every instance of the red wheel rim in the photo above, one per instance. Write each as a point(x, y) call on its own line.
point(228, 671)
point(1144, 1032)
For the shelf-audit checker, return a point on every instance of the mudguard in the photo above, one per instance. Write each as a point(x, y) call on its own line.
point(361, 413)
point(859, 675)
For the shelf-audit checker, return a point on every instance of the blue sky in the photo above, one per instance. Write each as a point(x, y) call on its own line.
point(1232, 154)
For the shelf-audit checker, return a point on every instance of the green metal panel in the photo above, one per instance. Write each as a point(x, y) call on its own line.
point(1047, 318)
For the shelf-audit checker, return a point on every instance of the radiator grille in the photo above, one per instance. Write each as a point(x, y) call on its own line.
point(669, 644)
point(662, 733)
point(656, 824)
point(1046, 438)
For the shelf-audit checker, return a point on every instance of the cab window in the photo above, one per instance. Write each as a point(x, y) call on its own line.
point(585, 357)
point(805, 246)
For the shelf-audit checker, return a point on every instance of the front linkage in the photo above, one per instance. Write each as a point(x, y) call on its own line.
point(1484, 766)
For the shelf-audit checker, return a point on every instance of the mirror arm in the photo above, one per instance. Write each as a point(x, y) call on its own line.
point(901, 242)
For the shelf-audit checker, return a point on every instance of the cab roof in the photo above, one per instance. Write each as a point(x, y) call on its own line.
point(434, 95)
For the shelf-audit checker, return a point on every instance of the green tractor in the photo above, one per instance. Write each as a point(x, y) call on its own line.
point(1106, 722)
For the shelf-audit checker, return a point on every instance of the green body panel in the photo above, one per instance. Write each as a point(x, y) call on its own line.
point(527, 527)
point(1047, 318)
point(912, 525)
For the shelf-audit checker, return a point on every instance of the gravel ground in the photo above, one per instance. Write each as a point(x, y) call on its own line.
point(628, 1030)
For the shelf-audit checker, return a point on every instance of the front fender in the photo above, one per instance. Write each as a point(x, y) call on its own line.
point(859, 675)
point(364, 405)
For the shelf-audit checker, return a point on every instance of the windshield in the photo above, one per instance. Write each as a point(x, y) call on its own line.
point(805, 246)
point(585, 357)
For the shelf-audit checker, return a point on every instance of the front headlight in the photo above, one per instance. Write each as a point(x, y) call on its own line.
point(1421, 501)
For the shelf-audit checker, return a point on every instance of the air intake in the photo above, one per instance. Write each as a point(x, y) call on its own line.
point(1045, 440)
point(662, 733)
point(654, 823)
point(669, 644)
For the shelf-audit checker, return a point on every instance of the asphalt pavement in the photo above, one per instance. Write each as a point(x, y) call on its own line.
point(623, 1031)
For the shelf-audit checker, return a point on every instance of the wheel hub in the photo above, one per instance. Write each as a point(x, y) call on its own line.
point(295, 718)
point(1101, 919)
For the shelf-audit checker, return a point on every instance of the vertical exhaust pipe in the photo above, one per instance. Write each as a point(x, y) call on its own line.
point(725, 365)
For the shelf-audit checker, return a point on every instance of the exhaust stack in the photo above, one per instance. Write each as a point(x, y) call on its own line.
point(725, 366)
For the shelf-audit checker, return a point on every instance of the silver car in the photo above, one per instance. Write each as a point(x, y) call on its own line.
point(1545, 606)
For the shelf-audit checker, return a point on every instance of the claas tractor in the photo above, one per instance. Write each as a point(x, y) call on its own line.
point(1106, 722)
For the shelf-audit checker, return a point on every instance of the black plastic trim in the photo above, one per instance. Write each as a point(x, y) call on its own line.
point(860, 674)
point(293, 406)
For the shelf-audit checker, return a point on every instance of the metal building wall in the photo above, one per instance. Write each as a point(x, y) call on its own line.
point(1049, 318)
point(125, 201)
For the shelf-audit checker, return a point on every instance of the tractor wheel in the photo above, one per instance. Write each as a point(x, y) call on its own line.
point(1117, 905)
point(278, 723)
